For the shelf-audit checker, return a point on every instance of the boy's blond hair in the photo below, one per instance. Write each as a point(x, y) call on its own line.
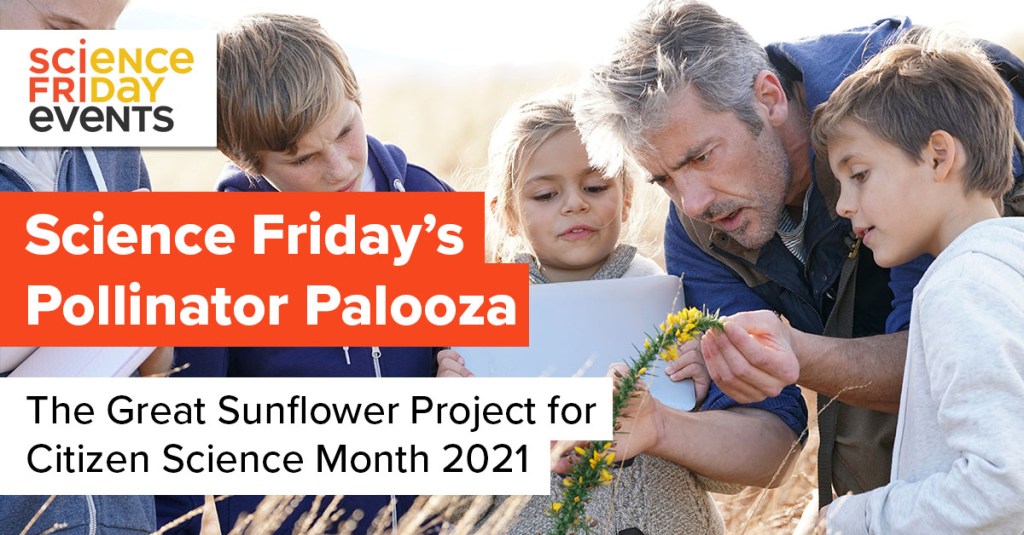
point(278, 77)
point(517, 136)
point(926, 82)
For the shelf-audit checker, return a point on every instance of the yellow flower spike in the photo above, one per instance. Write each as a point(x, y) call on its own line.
point(678, 328)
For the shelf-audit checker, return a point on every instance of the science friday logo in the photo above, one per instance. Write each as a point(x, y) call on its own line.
point(108, 88)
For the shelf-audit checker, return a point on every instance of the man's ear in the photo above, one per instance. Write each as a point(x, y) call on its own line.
point(768, 92)
point(943, 154)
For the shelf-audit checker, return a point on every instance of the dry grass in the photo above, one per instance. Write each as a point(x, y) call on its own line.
point(753, 511)
point(762, 512)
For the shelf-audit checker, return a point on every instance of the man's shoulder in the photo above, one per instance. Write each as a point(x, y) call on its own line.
point(821, 62)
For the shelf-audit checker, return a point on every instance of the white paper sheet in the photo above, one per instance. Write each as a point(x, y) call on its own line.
point(82, 362)
point(580, 328)
point(11, 357)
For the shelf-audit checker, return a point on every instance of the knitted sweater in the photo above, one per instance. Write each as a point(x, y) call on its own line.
point(654, 495)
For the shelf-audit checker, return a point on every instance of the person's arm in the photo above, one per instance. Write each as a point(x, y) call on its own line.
point(974, 363)
point(872, 368)
point(737, 445)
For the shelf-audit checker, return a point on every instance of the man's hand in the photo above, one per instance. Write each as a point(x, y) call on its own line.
point(690, 365)
point(753, 358)
point(451, 364)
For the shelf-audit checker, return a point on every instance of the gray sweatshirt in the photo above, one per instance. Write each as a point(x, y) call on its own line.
point(958, 466)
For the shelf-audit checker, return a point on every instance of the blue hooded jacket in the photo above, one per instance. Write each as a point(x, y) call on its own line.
point(392, 173)
point(122, 168)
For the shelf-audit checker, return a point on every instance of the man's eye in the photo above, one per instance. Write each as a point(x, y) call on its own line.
point(657, 180)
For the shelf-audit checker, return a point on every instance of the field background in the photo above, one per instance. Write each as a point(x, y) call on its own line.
point(444, 125)
point(442, 117)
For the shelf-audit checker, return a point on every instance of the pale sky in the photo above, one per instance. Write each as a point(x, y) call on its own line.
point(524, 32)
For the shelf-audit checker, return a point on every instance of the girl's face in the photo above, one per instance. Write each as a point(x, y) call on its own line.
point(570, 214)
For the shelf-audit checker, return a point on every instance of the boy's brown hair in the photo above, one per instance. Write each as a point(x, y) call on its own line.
point(278, 77)
point(930, 81)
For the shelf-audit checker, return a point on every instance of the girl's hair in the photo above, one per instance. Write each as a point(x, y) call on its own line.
point(517, 136)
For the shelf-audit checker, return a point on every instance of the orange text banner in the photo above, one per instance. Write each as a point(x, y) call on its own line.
point(216, 269)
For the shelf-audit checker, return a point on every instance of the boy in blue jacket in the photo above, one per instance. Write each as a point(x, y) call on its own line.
point(289, 118)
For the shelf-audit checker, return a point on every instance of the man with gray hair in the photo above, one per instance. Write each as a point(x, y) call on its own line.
point(721, 124)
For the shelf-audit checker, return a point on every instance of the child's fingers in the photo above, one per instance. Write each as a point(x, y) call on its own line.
point(689, 353)
point(451, 364)
point(450, 354)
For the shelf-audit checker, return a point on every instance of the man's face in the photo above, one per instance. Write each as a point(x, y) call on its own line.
point(60, 14)
point(712, 166)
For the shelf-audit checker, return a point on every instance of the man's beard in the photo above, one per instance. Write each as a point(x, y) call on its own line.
point(763, 211)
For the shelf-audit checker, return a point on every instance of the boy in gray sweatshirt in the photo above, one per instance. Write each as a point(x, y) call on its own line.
point(921, 140)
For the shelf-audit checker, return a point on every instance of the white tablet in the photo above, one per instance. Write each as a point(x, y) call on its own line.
point(580, 328)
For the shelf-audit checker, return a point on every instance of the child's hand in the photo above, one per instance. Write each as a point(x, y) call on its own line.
point(690, 365)
point(451, 364)
point(641, 424)
point(819, 528)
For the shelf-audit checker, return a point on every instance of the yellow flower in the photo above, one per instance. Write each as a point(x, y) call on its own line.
point(576, 499)
point(606, 477)
point(567, 482)
point(642, 371)
point(581, 451)
point(610, 458)
point(556, 506)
